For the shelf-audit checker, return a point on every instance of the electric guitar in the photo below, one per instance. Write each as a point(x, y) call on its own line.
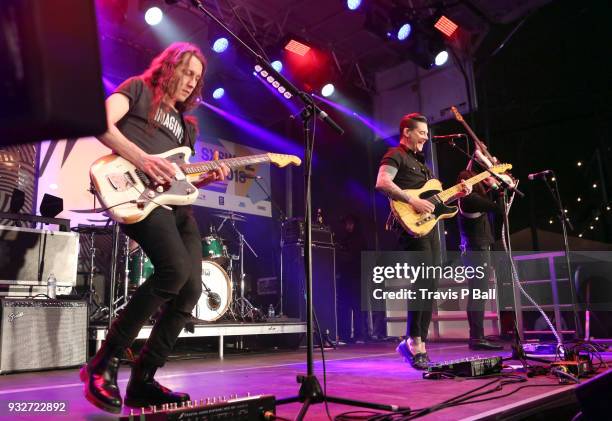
point(420, 224)
point(128, 195)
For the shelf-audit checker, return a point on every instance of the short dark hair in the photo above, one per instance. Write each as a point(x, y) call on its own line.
point(409, 121)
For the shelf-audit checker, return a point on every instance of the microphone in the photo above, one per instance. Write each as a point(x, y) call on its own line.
point(540, 174)
point(447, 137)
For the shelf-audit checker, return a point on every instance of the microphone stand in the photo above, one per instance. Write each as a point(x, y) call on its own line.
point(310, 390)
point(554, 192)
point(518, 352)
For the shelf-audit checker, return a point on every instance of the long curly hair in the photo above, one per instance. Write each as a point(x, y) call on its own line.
point(161, 77)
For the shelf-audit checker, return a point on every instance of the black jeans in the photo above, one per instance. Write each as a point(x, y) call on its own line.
point(171, 240)
point(477, 256)
point(349, 308)
point(428, 248)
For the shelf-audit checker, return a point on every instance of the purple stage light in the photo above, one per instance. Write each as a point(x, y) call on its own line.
point(274, 141)
point(378, 131)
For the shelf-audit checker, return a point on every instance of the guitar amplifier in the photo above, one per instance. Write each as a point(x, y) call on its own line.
point(293, 232)
point(42, 334)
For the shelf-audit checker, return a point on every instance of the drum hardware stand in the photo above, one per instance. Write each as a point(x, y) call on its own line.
point(92, 296)
point(113, 274)
point(126, 273)
point(310, 391)
point(242, 306)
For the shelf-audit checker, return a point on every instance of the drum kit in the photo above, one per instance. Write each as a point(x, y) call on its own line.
point(220, 294)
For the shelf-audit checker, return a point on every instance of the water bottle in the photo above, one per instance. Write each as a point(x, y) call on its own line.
point(271, 311)
point(51, 284)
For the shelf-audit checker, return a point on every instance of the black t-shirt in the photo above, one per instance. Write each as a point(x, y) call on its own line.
point(476, 231)
point(412, 172)
point(170, 131)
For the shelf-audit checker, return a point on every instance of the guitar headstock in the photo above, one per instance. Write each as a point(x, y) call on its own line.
point(501, 168)
point(281, 160)
point(458, 115)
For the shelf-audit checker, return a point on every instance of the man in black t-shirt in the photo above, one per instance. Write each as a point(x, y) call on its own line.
point(476, 240)
point(403, 167)
point(145, 117)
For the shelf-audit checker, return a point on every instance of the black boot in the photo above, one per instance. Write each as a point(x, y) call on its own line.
point(100, 378)
point(142, 390)
point(483, 344)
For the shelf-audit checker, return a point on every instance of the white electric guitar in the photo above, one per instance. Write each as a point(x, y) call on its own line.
point(128, 195)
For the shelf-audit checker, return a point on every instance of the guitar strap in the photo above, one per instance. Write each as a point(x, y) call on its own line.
point(190, 142)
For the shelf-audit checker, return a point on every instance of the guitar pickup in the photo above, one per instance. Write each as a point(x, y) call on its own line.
point(178, 173)
point(424, 220)
point(120, 182)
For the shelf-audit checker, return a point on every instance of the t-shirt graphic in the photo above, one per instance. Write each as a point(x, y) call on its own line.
point(171, 122)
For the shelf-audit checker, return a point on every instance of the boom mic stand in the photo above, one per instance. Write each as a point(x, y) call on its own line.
point(310, 391)
point(518, 353)
point(554, 192)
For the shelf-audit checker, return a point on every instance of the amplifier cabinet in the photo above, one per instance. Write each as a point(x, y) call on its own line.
point(28, 256)
point(42, 334)
point(323, 285)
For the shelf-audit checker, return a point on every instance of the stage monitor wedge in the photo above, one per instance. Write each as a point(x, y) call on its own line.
point(50, 74)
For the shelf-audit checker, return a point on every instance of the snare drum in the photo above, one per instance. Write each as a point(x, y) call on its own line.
point(140, 268)
point(216, 293)
point(214, 250)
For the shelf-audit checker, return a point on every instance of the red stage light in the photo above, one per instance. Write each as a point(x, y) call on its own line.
point(446, 26)
point(297, 47)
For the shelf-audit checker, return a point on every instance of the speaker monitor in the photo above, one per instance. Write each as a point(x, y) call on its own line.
point(42, 334)
point(323, 285)
point(50, 71)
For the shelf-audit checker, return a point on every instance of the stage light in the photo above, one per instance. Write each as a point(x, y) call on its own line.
point(328, 90)
point(579, 199)
point(597, 218)
point(277, 65)
point(553, 179)
point(441, 58)
point(579, 163)
point(353, 4)
point(154, 16)
point(220, 45)
point(404, 31)
point(446, 26)
point(594, 185)
point(591, 227)
point(550, 221)
point(218, 93)
point(607, 208)
point(297, 47)
point(580, 235)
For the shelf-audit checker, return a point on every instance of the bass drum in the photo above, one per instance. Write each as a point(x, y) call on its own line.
point(140, 268)
point(216, 293)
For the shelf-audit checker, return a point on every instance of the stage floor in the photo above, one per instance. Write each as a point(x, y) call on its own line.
point(371, 372)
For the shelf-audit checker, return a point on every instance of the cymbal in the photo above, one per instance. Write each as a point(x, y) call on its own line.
point(229, 215)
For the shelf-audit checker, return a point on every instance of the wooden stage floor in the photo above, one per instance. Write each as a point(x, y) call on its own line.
point(370, 372)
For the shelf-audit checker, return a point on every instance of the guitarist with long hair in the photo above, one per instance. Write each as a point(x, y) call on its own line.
point(145, 117)
point(403, 167)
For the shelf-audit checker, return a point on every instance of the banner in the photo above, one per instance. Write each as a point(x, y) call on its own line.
point(236, 193)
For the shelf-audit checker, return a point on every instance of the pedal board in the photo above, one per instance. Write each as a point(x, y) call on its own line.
point(466, 367)
point(249, 408)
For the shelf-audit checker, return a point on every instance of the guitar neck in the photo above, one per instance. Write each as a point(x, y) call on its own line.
point(202, 167)
point(451, 192)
